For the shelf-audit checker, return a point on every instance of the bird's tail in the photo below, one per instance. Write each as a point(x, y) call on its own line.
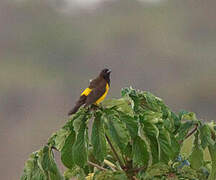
point(74, 110)
point(78, 104)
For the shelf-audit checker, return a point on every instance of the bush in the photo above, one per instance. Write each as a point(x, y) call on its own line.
point(134, 137)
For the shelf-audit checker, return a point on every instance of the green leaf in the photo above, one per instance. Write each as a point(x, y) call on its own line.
point(196, 157)
point(187, 115)
point(123, 104)
point(151, 117)
point(128, 151)
point(189, 173)
point(77, 119)
point(117, 131)
point(78, 122)
point(125, 91)
point(41, 166)
point(133, 95)
point(48, 164)
point(46, 159)
point(156, 170)
point(75, 172)
point(79, 148)
point(212, 152)
point(175, 146)
point(166, 152)
point(177, 122)
point(168, 124)
point(183, 130)
point(152, 133)
point(212, 127)
point(131, 124)
point(154, 103)
point(140, 152)
point(66, 152)
point(57, 140)
point(110, 175)
point(205, 136)
point(31, 170)
point(98, 138)
point(165, 110)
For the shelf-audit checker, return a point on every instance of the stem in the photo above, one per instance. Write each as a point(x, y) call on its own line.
point(53, 147)
point(97, 166)
point(111, 165)
point(136, 170)
point(114, 151)
point(124, 159)
point(189, 134)
point(213, 136)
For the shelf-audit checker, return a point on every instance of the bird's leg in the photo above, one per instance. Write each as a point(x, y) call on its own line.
point(94, 107)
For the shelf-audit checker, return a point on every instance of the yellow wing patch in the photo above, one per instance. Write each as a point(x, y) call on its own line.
point(104, 95)
point(86, 92)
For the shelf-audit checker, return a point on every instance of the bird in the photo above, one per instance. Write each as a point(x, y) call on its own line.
point(95, 93)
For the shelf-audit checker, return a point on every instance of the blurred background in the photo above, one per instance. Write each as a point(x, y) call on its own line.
point(50, 49)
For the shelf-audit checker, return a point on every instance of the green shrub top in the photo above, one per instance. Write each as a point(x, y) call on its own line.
point(134, 137)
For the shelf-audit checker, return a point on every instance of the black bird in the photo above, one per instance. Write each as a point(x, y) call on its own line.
point(95, 93)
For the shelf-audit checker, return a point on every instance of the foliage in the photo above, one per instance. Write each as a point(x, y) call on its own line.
point(134, 137)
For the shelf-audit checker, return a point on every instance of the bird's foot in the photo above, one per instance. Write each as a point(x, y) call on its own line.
point(94, 107)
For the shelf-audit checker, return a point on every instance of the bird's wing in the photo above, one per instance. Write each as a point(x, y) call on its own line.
point(93, 84)
point(86, 92)
point(94, 95)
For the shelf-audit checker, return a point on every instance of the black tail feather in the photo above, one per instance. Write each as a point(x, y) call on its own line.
point(74, 110)
point(79, 103)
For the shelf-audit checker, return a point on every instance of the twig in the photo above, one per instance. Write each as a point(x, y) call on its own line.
point(97, 166)
point(53, 147)
point(213, 136)
point(136, 170)
point(134, 178)
point(124, 159)
point(189, 134)
point(114, 151)
point(111, 165)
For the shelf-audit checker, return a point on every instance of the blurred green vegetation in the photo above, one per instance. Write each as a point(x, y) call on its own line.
point(49, 50)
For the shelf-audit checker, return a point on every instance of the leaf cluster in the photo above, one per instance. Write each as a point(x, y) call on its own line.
point(134, 137)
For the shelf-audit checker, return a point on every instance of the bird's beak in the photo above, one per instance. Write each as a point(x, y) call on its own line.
point(109, 71)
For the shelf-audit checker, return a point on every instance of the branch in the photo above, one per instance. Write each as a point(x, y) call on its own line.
point(136, 170)
point(189, 134)
point(53, 147)
point(97, 166)
point(111, 165)
point(114, 151)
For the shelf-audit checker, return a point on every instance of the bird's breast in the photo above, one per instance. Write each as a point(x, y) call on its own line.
point(103, 96)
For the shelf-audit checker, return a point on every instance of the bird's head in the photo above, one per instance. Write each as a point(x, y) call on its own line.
point(105, 73)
